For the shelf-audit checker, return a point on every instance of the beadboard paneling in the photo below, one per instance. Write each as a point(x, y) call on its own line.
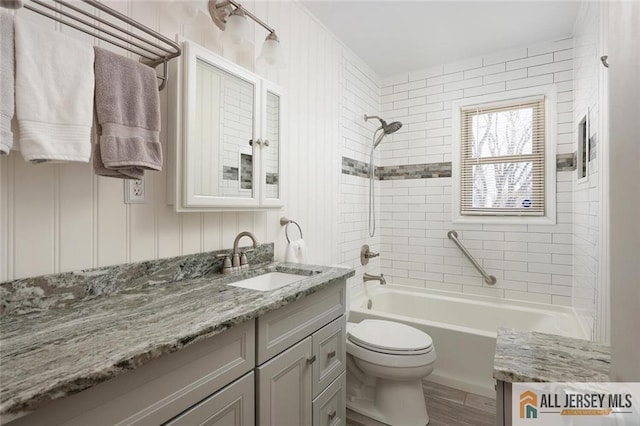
point(62, 217)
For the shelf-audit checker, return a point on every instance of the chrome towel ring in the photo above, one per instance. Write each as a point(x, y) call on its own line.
point(286, 222)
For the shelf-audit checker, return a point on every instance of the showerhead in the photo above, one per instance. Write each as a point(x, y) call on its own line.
point(387, 129)
point(391, 127)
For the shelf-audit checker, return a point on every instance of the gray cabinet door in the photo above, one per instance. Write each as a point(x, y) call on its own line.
point(232, 406)
point(284, 388)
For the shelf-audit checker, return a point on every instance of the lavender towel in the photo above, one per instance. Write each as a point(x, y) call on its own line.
point(128, 113)
point(12, 4)
point(7, 82)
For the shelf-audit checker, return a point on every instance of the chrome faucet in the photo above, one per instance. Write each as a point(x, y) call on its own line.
point(240, 261)
point(368, 277)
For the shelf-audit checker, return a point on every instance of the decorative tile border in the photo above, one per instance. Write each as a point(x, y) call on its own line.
point(414, 171)
point(272, 178)
point(229, 173)
point(593, 147)
point(564, 163)
point(355, 167)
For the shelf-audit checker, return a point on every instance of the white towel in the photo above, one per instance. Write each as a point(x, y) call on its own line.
point(296, 252)
point(6, 81)
point(54, 94)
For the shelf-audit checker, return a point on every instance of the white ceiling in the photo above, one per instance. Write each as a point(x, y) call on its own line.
point(399, 36)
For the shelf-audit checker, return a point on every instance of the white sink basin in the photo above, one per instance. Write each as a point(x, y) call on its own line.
point(269, 281)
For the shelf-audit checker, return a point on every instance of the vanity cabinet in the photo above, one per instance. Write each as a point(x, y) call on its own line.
point(304, 385)
point(225, 135)
point(287, 367)
point(158, 391)
point(301, 383)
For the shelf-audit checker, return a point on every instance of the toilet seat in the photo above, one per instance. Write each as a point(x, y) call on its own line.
point(388, 337)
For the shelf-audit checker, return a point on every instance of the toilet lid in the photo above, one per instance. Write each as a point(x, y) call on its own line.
point(390, 337)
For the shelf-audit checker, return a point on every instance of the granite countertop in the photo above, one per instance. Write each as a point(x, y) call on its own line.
point(529, 356)
point(50, 354)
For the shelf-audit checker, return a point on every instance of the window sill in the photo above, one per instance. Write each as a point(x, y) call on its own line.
point(506, 220)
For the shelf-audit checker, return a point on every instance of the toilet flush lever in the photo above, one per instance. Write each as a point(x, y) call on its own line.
point(311, 360)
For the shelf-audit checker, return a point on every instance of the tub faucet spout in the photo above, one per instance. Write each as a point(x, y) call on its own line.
point(369, 277)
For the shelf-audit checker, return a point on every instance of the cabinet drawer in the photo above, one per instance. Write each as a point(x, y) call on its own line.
point(279, 329)
point(232, 406)
point(329, 348)
point(329, 408)
point(158, 391)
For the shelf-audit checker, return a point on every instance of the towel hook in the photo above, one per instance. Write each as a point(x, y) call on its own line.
point(285, 222)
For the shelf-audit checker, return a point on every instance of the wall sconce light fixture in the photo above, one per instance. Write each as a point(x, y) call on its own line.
point(231, 17)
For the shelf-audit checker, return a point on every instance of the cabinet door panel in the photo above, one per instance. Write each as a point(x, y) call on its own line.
point(232, 406)
point(329, 409)
point(329, 347)
point(279, 329)
point(284, 388)
point(222, 108)
point(271, 153)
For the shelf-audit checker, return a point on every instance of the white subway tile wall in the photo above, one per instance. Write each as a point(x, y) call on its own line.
point(360, 95)
point(586, 195)
point(530, 262)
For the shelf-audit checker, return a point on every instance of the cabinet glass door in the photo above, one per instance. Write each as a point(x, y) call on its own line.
point(221, 118)
point(272, 146)
point(222, 156)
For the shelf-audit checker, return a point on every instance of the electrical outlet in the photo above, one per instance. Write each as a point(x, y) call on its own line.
point(135, 191)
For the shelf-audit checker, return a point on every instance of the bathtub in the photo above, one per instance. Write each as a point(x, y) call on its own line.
point(463, 327)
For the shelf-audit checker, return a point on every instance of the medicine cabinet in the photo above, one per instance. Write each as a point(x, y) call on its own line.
point(225, 135)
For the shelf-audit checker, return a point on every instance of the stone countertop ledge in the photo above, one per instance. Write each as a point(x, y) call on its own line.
point(50, 354)
point(529, 356)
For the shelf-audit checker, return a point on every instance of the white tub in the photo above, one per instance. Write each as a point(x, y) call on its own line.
point(463, 327)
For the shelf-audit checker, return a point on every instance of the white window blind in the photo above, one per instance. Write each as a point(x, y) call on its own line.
point(502, 158)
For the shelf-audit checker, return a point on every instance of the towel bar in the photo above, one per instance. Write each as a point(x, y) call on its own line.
point(285, 222)
point(151, 52)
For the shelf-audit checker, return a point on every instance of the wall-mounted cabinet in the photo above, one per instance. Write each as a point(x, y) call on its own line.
point(225, 135)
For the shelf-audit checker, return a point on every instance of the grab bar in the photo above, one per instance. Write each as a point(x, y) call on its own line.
point(489, 279)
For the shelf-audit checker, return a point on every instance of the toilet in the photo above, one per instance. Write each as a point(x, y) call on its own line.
point(386, 362)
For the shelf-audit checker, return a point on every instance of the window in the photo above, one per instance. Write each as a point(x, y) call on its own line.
point(503, 147)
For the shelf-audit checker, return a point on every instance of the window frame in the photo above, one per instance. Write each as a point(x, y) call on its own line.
point(506, 98)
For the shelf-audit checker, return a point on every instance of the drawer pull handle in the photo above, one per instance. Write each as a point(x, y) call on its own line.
point(331, 354)
point(332, 414)
point(311, 360)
